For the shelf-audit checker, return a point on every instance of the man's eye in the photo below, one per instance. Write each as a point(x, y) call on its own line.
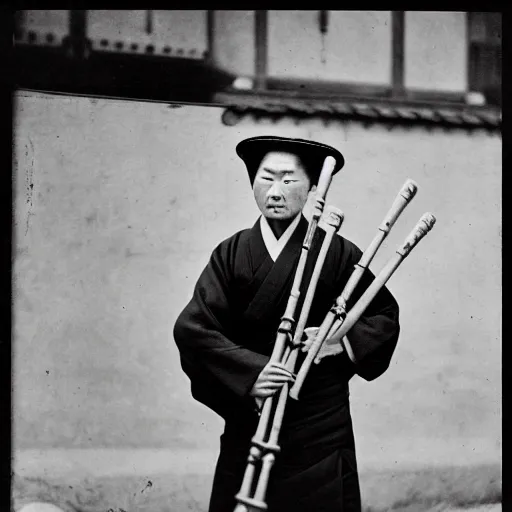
point(266, 178)
point(286, 182)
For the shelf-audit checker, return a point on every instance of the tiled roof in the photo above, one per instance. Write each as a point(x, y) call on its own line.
point(239, 105)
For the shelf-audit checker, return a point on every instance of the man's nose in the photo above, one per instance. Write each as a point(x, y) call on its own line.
point(275, 191)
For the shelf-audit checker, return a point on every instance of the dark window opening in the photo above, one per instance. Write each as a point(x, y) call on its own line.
point(484, 67)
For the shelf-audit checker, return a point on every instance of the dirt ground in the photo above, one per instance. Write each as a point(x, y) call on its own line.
point(482, 508)
point(172, 481)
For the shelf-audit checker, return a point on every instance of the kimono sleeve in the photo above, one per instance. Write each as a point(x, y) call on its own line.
point(221, 371)
point(375, 335)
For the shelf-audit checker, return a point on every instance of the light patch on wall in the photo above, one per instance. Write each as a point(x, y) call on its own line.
point(234, 41)
point(435, 50)
point(176, 32)
point(357, 46)
point(44, 22)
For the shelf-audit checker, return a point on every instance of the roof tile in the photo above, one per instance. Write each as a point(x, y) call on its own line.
point(374, 111)
point(343, 108)
point(385, 112)
point(406, 113)
point(365, 110)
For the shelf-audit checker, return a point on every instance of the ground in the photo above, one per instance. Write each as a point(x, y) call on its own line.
point(165, 481)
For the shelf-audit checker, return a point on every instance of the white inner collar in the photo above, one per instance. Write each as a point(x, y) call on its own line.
point(275, 246)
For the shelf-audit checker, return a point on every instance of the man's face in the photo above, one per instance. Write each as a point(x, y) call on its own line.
point(281, 186)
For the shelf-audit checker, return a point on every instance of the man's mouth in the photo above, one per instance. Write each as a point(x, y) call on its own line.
point(275, 206)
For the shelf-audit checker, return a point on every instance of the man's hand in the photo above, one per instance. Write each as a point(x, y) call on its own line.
point(327, 349)
point(270, 379)
point(259, 403)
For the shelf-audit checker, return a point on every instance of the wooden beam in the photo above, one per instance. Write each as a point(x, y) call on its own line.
point(210, 29)
point(312, 87)
point(261, 47)
point(484, 61)
point(78, 33)
point(397, 53)
point(334, 92)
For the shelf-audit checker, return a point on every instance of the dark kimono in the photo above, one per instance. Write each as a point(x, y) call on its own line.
point(225, 336)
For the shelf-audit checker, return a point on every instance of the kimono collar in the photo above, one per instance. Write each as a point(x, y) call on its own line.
point(275, 246)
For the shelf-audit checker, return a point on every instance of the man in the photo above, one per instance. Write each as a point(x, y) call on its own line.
point(226, 334)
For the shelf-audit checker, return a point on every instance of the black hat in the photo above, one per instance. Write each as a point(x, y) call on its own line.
point(312, 154)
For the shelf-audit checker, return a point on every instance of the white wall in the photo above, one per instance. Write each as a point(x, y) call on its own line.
point(118, 205)
point(355, 49)
point(234, 41)
point(436, 51)
point(42, 22)
point(357, 46)
point(180, 29)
